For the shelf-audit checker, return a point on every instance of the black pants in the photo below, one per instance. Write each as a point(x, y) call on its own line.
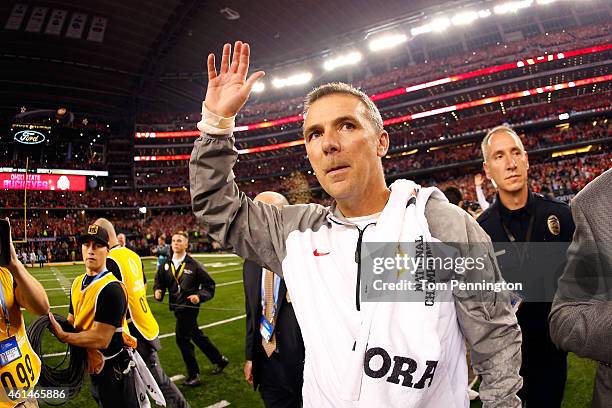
point(544, 366)
point(187, 331)
point(113, 389)
point(278, 389)
point(174, 398)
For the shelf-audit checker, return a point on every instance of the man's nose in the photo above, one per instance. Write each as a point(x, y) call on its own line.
point(331, 142)
point(511, 163)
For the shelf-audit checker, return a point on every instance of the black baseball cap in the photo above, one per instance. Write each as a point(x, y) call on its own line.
point(94, 233)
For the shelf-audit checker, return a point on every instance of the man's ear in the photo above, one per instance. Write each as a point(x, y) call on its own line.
point(383, 144)
point(485, 167)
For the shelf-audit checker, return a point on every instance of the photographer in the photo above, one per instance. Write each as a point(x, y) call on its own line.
point(454, 196)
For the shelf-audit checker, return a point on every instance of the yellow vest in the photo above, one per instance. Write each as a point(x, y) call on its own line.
point(131, 274)
point(23, 373)
point(84, 306)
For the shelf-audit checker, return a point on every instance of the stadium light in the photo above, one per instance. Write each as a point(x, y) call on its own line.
point(484, 13)
point(258, 87)
point(540, 2)
point(342, 60)
point(464, 18)
point(512, 7)
point(387, 41)
point(297, 79)
point(439, 24)
point(142, 210)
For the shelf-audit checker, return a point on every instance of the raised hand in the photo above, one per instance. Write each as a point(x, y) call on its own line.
point(229, 89)
point(478, 179)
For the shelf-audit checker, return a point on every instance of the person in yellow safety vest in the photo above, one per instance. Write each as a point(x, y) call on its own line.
point(98, 304)
point(127, 267)
point(19, 364)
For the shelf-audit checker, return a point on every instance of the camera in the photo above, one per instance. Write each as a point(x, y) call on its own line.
point(470, 205)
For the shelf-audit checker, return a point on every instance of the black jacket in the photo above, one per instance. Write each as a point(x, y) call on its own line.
point(194, 281)
point(532, 316)
point(542, 207)
point(289, 343)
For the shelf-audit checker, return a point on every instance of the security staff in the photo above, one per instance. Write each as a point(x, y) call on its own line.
point(273, 343)
point(520, 215)
point(98, 304)
point(19, 364)
point(127, 267)
point(189, 285)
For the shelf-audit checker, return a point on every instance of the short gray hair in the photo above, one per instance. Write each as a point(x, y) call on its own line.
point(334, 88)
point(505, 128)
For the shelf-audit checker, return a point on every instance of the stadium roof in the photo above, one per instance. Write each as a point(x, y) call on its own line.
point(118, 57)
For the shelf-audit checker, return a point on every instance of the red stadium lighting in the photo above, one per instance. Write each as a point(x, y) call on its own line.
point(403, 90)
point(409, 117)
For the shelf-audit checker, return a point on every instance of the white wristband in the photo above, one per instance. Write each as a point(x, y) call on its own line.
point(214, 124)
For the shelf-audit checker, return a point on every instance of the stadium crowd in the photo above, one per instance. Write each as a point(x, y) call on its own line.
point(562, 179)
point(547, 43)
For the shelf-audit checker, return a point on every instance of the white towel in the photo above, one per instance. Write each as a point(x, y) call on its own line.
point(145, 383)
point(398, 222)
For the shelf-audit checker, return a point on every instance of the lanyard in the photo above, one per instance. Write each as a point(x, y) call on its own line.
point(178, 275)
point(511, 236)
point(276, 285)
point(98, 276)
point(5, 313)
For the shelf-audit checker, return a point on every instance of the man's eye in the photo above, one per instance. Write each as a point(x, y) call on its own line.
point(313, 135)
point(348, 125)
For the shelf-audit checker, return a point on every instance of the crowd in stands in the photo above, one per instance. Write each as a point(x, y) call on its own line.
point(173, 173)
point(55, 237)
point(402, 135)
point(94, 199)
point(592, 129)
point(547, 43)
point(561, 178)
point(295, 158)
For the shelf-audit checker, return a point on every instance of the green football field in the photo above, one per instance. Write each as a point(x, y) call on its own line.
point(223, 320)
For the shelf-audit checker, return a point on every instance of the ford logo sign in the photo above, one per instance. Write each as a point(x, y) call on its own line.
point(29, 137)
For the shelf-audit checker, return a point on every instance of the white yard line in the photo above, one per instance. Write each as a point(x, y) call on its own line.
point(223, 264)
point(163, 336)
point(229, 283)
point(220, 404)
point(150, 296)
point(206, 326)
point(63, 281)
point(229, 270)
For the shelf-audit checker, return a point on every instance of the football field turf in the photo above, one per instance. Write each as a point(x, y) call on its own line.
point(224, 321)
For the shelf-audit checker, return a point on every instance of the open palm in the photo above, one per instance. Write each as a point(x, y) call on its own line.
point(229, 89)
